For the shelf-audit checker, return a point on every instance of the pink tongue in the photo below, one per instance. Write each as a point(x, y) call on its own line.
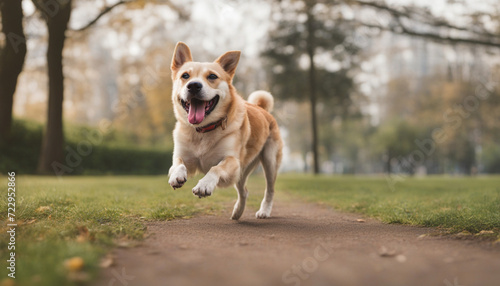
point(196, 111)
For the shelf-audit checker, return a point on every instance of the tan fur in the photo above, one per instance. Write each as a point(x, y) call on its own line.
point(227, 156)
point(263, 99)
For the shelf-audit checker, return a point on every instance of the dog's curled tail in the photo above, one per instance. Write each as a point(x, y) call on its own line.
point(263, 99)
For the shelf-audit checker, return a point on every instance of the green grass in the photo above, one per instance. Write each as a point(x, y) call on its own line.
point(456, 204)
point(88, 215)
point(85, 216)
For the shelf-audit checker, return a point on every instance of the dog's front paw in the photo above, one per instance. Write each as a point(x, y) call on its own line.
point(265, 210)
point(178, 177)
point(205, 187)
point(263, 214)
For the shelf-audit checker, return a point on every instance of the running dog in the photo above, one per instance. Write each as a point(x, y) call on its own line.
point(220, 134)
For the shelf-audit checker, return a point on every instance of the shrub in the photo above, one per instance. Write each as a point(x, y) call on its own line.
point(20, 153)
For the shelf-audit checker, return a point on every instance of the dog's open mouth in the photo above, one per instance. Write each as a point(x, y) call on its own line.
point(197, 109)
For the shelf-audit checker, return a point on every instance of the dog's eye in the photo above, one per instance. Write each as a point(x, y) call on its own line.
point(212, 77)
point(185, 75)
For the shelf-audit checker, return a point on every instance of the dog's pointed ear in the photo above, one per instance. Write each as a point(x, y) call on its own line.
point(182, 54)
point(229, 61)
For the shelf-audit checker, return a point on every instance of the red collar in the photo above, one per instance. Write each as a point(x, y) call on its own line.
point(212, 126)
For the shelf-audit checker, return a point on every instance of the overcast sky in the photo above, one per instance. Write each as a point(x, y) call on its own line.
point(240, 25)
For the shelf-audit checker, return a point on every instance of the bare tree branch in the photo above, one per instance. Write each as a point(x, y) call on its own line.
point(410, 12)
point(435, 37)
point(103, 12)
point(182, 14)
point(482, 37)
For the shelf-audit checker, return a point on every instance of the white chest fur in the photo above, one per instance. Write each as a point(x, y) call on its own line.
point(200, 152)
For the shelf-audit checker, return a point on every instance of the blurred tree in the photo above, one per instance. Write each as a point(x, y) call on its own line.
point(305, 32)
point(12, 56)
point(57, 15)
point(395, 140)
point(457, 117)
point(467, 119)
point(491, 158)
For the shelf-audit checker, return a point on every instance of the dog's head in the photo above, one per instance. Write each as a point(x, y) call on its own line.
point(201, 91)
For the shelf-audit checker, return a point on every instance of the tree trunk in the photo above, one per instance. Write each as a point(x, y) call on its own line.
point(52, 146)
point(312, 87)
point(388, 163)
point(12, 57)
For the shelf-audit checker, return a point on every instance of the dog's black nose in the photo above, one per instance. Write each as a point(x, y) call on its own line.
point(194, 87)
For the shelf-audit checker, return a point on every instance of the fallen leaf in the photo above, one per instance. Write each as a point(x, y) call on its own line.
point(8, 282)
point(42, 209)
point(106, 261)
point(83, 230)
point(84, 234)
point(483, 232)
point(74, 264)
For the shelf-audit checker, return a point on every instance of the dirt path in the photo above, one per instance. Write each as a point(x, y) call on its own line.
point(301, 244)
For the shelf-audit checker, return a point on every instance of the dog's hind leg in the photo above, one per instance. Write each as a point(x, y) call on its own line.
point(241, 187)
point(271, 159)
